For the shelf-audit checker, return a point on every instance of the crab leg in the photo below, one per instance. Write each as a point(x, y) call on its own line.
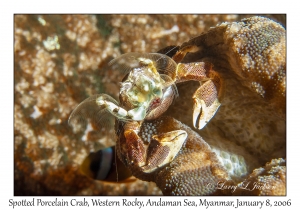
point(206, 104)
point(161, 150)
point(206, 97)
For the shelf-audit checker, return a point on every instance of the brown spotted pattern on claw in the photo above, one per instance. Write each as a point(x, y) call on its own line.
point(210, 91)
point(180, 176)
point(147, 155)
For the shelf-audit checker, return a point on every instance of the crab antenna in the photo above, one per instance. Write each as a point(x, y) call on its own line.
point(167, 52)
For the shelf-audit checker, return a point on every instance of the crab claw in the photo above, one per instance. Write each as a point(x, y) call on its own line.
point(202, 114)
point(163, 148)
point(206, 104)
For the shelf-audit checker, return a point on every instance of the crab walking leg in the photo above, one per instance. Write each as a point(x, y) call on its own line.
point(206, 97)
point(161, 150)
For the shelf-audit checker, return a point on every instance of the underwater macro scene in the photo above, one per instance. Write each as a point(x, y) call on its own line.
point(61, 60)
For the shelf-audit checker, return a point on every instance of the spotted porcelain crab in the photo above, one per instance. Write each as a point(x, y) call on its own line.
point(147, 90)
